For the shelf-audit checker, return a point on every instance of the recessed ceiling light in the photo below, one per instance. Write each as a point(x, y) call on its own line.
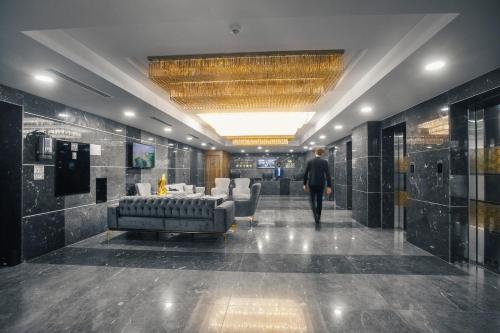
point(129, 113)
point(366, 109)
point(168, 129)
point(63, 115)
point(312, 143)
point(310, 148)
point(171, 144)
point(267, 150)
point(44, 78)
point(243, 150)
point(445, 108)
point(186, 148)
point(189, 138)
point(291, 150)
point(203, 144)
point(259, 147)
point(435, 65)
point(213, 148)
point(305, 147)
point(338, 127)
point(322, 137)
point(119, 130)
point(150, 139)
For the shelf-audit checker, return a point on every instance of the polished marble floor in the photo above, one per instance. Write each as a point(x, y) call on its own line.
point(281, 275)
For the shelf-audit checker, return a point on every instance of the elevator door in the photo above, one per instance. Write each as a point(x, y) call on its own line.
point(399, 181)
point(484, 183)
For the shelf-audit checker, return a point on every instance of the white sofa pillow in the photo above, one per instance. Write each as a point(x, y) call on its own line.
point(188, 189)
point(177, 187)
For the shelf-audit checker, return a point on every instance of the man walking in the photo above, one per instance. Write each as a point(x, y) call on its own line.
point(316, 176)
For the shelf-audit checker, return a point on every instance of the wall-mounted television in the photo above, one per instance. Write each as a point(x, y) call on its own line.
point(72, 168)
point(266, 163)
point(143, 156)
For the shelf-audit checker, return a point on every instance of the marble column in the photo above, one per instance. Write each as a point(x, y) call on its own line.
point(342, 173)
point(366, 164)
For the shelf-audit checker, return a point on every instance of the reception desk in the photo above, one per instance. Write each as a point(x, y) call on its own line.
point(281, 187)
point(296, 187)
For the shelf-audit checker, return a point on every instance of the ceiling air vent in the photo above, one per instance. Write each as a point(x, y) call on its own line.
point(78, 83)
point(161, 121)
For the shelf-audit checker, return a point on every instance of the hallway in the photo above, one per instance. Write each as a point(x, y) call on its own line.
point(281, 275)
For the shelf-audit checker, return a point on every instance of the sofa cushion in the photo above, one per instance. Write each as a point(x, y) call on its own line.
point(188, 189)
point(197, 208)
point(177, 187)
point(141, 223)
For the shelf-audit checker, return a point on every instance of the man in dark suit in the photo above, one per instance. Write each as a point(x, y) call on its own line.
point(316, 176)
point(278, 171)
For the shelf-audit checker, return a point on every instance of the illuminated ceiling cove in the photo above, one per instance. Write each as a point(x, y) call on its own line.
point(266, 125)
point(239, 95)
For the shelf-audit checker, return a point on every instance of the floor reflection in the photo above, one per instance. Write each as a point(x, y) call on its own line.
point(278, 276)
point(249, 315)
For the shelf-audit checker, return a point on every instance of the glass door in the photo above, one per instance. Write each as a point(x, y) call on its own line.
point(484, 183)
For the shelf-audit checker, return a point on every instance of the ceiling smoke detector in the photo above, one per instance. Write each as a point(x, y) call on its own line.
point(235, 29)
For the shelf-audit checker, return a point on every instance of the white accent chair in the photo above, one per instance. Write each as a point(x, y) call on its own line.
point(241, 190)
point(143, 189)
point(221, 188)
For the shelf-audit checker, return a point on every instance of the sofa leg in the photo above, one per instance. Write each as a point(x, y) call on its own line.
point(252, 220)
point(224, 235)
point(108, 235)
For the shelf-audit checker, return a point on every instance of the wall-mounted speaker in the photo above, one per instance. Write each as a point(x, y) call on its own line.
point(101, 190)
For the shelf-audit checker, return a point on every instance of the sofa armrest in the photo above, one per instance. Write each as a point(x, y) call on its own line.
point(113, 217)
point(225, 213)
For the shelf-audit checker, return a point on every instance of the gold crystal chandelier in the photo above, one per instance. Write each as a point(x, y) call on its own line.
point(236, 82)
point(266, 140)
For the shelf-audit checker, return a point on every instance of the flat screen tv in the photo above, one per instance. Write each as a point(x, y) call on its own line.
point(72, 174)
point(143, 156)
point(266, 163)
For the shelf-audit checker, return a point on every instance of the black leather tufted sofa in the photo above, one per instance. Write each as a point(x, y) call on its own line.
point(201, 215)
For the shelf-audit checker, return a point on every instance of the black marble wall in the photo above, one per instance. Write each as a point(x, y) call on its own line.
point(11, 122)
point(366, 193)
point(50, 222)
point(437, 210)
point(342, 183)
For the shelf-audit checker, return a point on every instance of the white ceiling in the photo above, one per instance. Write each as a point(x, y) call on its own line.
point(105, 44)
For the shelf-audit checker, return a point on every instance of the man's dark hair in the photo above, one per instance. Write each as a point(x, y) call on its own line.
point(319, 151)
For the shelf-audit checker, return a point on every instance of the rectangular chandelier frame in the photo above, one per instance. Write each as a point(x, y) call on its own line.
point(245, 81)
point(268, 140)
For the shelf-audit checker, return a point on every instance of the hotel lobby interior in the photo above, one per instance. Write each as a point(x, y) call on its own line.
point(157, 157)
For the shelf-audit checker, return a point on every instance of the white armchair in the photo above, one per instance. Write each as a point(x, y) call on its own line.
point(221, 187)
point(241, 190)
point(143, 189)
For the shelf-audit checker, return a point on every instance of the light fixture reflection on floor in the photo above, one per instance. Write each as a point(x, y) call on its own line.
point(245, 315)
